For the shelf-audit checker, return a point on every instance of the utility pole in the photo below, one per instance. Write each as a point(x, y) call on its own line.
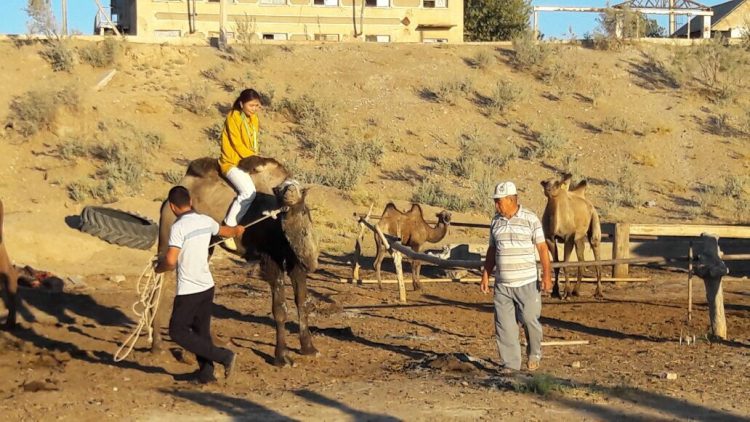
point(222, 24)
point(64, 4)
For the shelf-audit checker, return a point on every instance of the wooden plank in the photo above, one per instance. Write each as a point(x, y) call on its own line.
point(105, 80)
point(690, 230)
point(621, 249)
point(565, 342)
point(477, 279)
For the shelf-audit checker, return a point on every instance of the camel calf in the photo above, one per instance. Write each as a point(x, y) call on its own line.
point(572, 219)
point(8, 278)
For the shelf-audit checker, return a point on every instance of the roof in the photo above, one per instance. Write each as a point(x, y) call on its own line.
point(721, 11)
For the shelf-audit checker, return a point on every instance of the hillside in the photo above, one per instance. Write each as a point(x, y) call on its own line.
point(364, 124)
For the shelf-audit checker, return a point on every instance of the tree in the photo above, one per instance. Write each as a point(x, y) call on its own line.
point(633, 24)
point(41, 19)
point(495, 20)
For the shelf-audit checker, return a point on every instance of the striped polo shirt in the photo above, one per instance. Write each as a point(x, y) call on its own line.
point(192, 234)
point(515, 241)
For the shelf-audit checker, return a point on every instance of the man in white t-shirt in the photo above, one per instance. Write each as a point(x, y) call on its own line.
point(190, 325)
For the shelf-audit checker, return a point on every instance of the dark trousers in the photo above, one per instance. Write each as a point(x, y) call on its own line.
point(190, 327)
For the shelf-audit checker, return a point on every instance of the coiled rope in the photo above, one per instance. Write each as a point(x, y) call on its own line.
point(149, 294)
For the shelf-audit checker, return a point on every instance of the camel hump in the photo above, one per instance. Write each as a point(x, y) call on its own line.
point(416, 209)
point(258, 164)
point(579, 189)
point(203, 167)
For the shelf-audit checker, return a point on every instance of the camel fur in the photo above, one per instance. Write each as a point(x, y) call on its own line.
point(8, 278)
point(287, 245)
point(571, 218)
point(413, 230)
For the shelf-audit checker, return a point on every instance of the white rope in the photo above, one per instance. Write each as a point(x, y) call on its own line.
point(266, 215)
point(149, 292)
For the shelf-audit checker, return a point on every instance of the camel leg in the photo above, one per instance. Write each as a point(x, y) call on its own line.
point(595, 244)
point(299, 283)
point(552, 246)
point(566, 258)
point(416, 267)
point(379, 259)
point(275, 277)
point(580, 253)
point(10, 297)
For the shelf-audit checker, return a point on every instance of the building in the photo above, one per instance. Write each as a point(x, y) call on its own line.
point(730, 20)
point(296, 20)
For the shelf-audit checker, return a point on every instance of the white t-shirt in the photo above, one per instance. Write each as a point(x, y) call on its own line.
point(192, 234)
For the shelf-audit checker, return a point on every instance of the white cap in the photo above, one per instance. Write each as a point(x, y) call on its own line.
point(504, 189)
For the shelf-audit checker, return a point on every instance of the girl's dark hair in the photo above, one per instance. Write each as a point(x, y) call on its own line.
point(245, 96)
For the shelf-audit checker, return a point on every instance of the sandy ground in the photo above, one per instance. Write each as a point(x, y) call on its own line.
point(381, 360)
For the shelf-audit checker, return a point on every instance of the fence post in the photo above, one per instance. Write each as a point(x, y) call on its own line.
point(711, 269)
point(621, 249)
point(358, 246)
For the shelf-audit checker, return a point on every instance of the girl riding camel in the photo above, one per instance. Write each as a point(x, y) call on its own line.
point(239, 140)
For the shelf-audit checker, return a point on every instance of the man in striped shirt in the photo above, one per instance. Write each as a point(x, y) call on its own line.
point(515, 234)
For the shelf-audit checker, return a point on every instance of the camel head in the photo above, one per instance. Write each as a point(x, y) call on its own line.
point(297, 223)
point(444, 217)
point(553, 187)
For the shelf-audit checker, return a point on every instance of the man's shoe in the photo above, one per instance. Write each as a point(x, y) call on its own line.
point(532, 365)
point(229, 364)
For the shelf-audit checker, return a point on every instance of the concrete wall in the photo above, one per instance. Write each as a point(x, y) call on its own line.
point(402, 21)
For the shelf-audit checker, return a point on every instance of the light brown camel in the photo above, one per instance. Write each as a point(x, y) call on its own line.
point(413, 230)
point(571, 218)
point(287, 245)
point(8, 279)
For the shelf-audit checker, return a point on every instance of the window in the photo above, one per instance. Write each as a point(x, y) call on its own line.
point(275, 36)
point(435, 40)
point(378, 38)
point(326, 37)
point(377, 3)
point(328, 3)
point(273, 2)
point(167, 32)
point(434, 3)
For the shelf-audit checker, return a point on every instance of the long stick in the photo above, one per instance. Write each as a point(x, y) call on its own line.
point(565, 342)
point(476, 280)
point(266, 215)
point(690, 282)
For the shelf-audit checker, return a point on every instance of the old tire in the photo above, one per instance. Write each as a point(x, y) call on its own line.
point(119, 227)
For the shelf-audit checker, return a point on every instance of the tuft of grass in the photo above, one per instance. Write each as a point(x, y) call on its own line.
point(77, 191)
point(72, 149)
point(214, 73)
point(482, 60)
point(173, 176)
point(194, 100)
point(101, 54)
point(541, 384)
point(624, 191)
point(447, 92)
point(645, 159)
point(32, 112)
point(306, 111)
point(504, 96)
point(59, 54)
point(734, 186)
point(614, 124)
point(432, 193)
point(528, 52)
point(550, 141)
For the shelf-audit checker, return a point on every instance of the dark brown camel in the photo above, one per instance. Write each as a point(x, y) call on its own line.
point(413, 230)
point(571, 218)
point(285, 245)
point(8, 279)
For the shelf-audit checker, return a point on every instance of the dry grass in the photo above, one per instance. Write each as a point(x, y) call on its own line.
point(195, 100)
point(504, 96)
point(59, 55)
point(101, 54)
point(32, 112)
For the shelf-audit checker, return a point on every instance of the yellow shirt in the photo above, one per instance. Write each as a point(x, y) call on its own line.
point(239, 139)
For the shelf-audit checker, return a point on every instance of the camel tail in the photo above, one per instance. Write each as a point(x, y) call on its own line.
point(2, 214)
point(595, 228)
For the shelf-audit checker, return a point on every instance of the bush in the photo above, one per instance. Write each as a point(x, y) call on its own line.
point(447, 92)
point(528, 53)
point(306, 111)
point(482, 60)
point(614, 124)
point(504, 96)
point(32, 112)
point(340, 165)
point(72, 149)
point(194, 100)
point(246, 49)
point(734, 186)
point(59, 54)
point(70, 97)
point(625, 190)
point(432, 193)
point(101, 54)
point(550, 141)
point(173, 176)
point(214, 73)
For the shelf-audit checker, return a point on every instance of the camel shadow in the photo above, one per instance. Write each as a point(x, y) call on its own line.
point(235, 407)
point(356, 415)
point(598, 332)
point(61, 305)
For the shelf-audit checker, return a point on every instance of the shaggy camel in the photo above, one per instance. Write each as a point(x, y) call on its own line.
point(285, 245)
point(571, 218)
point(413, 231)
point(8, 279)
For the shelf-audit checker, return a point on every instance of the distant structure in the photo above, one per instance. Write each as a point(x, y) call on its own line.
point(730, 20)
point(297, 20)
point(673, 8)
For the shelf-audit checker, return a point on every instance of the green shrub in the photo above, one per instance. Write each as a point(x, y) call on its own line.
point(72, 149)
point(528, 52)
point(432, 193)
point(504, 96)
point(550, 142)
point(306, 111)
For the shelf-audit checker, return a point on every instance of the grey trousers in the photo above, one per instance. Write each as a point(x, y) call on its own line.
point(513, 305)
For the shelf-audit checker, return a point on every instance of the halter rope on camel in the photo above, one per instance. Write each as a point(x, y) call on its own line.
point(149, 292)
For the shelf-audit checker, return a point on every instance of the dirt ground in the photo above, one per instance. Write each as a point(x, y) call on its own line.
point(381, 360)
